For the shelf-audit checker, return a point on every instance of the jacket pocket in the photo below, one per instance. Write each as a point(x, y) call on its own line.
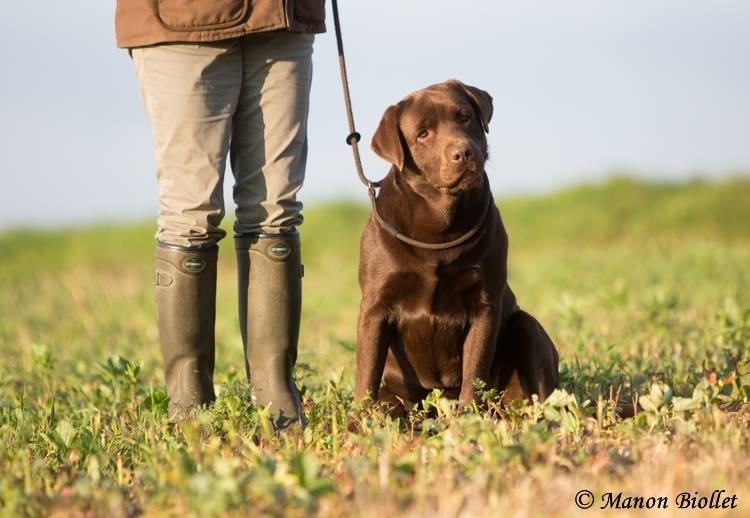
point(200, 15)
point(310, 11)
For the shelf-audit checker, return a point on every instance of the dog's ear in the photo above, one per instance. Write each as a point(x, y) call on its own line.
point(481, 100)
point(387, 139)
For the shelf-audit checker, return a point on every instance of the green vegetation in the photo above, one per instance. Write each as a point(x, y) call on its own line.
point(644, 288)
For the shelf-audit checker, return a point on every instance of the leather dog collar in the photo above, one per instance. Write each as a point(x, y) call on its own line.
point(393, 231)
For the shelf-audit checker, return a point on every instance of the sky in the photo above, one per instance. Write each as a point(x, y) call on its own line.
point(582, 89)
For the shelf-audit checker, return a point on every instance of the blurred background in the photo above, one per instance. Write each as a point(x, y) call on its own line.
point(582, 90)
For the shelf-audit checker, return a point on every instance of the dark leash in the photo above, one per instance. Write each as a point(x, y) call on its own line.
point(353, 140)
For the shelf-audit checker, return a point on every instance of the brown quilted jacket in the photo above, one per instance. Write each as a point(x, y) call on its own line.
point(147, 22)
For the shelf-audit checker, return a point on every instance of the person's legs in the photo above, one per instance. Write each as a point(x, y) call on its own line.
point(190, 93)
point(268, 155)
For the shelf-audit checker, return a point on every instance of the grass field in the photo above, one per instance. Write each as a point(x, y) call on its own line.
point(644, 288)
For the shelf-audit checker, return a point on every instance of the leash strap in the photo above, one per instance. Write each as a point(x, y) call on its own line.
point(353, 140)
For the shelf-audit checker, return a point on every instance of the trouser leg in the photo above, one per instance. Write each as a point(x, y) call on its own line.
point(190, 92)
point(269, 144)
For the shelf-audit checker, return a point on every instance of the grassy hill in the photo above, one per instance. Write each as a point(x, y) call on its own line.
point(645, 288)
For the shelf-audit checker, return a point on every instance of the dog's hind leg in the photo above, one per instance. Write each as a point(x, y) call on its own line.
point(525, 361)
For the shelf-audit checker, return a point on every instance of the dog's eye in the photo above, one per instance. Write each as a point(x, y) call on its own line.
point(464, 117)
point(423, 134)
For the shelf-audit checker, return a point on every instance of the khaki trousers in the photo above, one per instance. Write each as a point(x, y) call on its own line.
point(247, 98)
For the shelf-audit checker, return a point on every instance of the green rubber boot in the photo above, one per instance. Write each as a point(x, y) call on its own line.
point(185, 314)
point(270, 296)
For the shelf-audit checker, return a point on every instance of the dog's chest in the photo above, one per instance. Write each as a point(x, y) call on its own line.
point(433, 308)
point(436, 291)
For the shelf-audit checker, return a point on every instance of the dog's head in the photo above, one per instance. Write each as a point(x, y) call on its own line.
point(439, 134)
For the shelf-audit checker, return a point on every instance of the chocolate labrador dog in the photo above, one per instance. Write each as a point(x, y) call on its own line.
point(439, 313)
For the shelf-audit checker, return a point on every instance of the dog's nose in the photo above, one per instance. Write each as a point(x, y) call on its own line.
point(459, 153)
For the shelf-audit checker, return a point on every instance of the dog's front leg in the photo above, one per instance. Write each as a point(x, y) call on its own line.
point(479, 350)
point(373, 333)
